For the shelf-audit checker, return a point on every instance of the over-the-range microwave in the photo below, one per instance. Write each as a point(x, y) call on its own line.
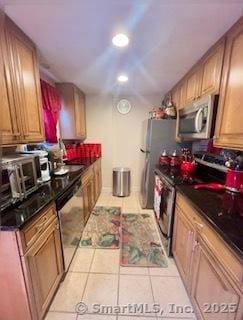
point(197, 121)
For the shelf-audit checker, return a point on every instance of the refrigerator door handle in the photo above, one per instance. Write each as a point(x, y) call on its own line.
point(144, 151)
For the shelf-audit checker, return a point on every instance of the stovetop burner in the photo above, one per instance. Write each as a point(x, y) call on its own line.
point(176, 177)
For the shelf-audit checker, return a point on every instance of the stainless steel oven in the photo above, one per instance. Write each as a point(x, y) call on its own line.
point(196, 121)
point(19, 178)
point(164, 200)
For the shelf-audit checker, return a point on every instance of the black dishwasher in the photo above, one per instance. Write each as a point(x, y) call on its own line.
point(71, 217)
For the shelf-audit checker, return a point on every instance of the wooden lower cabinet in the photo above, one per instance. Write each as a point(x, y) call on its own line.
point(97, 179)
point(91, 187)
point(44, 266)
point(31, 267)
point(88, 197)
point(182, 245)
point(212, 294)
point(211, 272)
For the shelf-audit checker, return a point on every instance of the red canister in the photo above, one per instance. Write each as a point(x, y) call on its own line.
point(164, 159)
point(175, 160)
point(234, 181)
point(188, 168)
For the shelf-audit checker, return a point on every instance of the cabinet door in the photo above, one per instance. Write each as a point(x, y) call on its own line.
point(229, 126)
point(79, 106)
point(183, 239)
point(88, 204)
point(27, 82)
point(176, 95)
point(10, 129)
point(91, 192)
point(44, 265)
point(182, 95)
point(193, 85)
point(212, 294)
point(212, 68)
point(99, 180)
point(82, 115)
point(96, 184)
point(85, 203)
point(9, 126)
point(72, 114)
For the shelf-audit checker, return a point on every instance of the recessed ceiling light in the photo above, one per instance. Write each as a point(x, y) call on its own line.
point(122, 78)
point(120, 40)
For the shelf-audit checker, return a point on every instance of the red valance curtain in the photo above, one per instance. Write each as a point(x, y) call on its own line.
point(51, 105)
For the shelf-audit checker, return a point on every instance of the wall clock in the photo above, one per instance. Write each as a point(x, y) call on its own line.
point(124, 106)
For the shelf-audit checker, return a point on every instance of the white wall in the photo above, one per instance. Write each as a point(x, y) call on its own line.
point(120, 135)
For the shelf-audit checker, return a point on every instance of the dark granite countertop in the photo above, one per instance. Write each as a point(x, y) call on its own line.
point(59, 184)
point(223, 211)
point(17, 216)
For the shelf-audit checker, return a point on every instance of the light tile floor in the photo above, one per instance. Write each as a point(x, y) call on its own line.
point(95, 277)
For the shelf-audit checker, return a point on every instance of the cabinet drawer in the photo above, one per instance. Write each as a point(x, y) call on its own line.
point(32, 231)
point(228, 260)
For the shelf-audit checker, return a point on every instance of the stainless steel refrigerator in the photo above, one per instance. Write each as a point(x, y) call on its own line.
point(157, 135)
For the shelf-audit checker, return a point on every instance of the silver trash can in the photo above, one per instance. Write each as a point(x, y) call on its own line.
point(121, 182)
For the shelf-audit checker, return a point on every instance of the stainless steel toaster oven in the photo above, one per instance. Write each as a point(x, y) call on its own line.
point(19, 176)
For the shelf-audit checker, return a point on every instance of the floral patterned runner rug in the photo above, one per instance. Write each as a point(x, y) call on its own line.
point(102, 228)
point(141, 245)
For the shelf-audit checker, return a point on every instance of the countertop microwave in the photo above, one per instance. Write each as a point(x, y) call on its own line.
point(197, 121)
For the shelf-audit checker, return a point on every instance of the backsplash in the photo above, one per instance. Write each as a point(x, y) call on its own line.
point(207, 146)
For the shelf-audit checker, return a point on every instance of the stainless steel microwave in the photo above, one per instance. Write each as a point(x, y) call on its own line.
point(19, 176)
point(197, 120)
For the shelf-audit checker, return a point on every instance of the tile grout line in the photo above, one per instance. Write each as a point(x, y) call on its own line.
point(151, 286)
point(118, 286)
point(86, 282)
point(119, 266)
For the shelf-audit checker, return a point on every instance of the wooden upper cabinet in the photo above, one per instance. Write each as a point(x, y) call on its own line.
point(26, 79)
point(176, 95)
point(211, 69)
point(20, 86)
point(179, 95)
point(72, 115)
point(204, 78)
point(193, 85)
point(80, 113)
point(229, 124)
point(183, 95)
point(9, 125)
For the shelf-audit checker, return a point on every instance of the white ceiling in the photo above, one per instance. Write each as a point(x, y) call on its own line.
point(166, 38)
